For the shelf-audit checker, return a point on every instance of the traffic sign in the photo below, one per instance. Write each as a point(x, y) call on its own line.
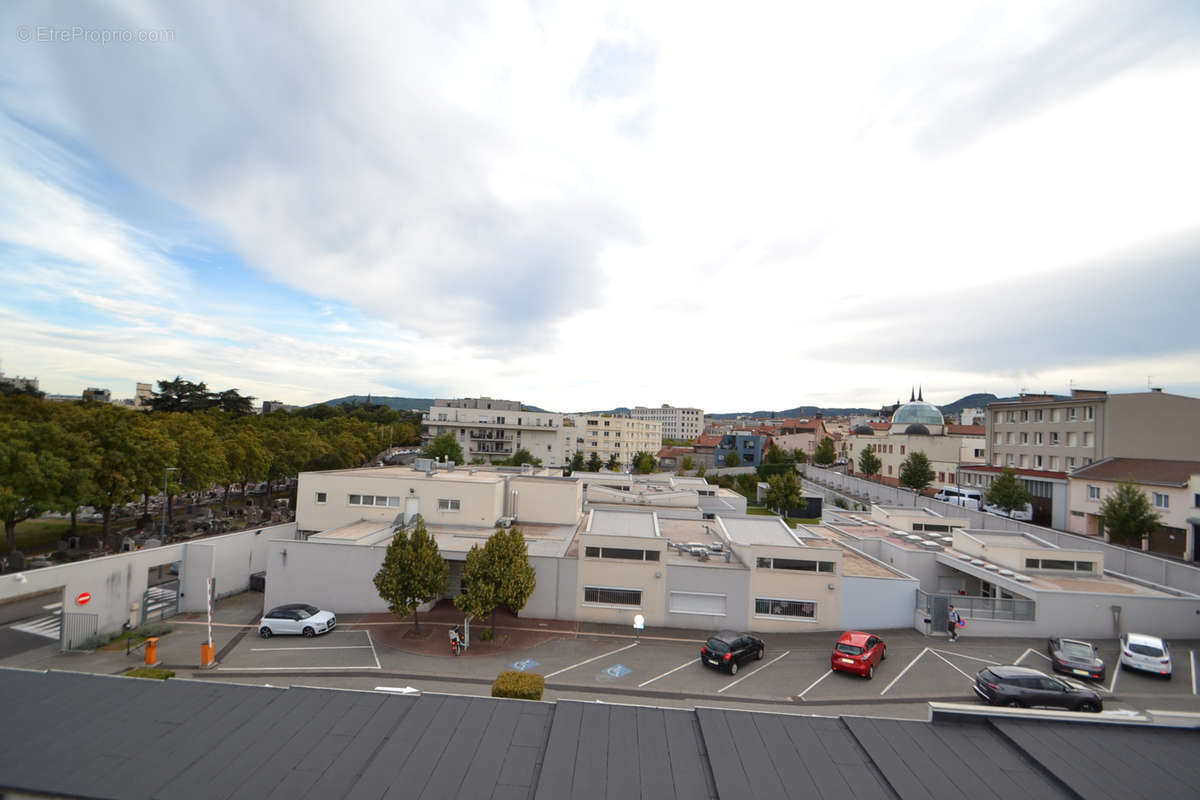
point(83, 598)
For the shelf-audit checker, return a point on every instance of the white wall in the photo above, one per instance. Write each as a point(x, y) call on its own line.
point(733, 583)
point(337, 576)
point(877, 603)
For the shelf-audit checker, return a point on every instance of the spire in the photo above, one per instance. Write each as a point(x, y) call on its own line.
point(911, 395)
point(920, 394)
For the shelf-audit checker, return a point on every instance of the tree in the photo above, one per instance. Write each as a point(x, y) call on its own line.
point(444, 448)
point(246, 459)
point(733, 460)
point(916, 472)
point(594, 464)
point(1127, 515)
point(32, 471)
point(775, 454)
point(497, 574)
point(413, 572)
point(1008, 492)
point(200, 458)
point(869, 463)
point(231, 402)
point(700, 473)
point(747, 485)
point(644, 463)
point(826, 454)
point(577, 461)
point(181, 395)
point(783, 492)
point(613, 463)
point(687, 464)
point(800, 456)
point(523, 456)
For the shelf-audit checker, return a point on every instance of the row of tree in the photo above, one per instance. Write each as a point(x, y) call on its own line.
point(60, 456)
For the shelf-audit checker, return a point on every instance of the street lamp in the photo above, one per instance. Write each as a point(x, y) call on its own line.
point(166, 502)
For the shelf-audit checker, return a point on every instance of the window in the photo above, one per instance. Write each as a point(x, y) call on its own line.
point(1012, 416)
point(791, 563)
point(1058, 563)
point(941, 477)
point(1072, 440)
point(1072, 414)
point(1008, 438)
point(1161, 500)
point(1024, 416)
point(1037, 438)
point(1089, 412)
point(321, 498)
point(621, 552)
point(1087, 438)
point(1056, 415)
point(1024, 462)
point(901, 449)
point(355, 499)
point(449, 505)
point(1054, 463)
point(696, 603)
point(996, 439)
point(1093, 493)
point(1054, 438)
point(774, 607)
point(1037, 462)
point(1011, 460)
point(978, 452)
point(1024, 437)
point(1070, 462)
point(889, 469)
point(1038, 415)
point(997, 417)
point(598, 595)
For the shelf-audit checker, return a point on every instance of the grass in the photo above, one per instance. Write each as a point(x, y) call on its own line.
point(135, 636)
point(791, 521)
point(150, 672)
point(41, 535)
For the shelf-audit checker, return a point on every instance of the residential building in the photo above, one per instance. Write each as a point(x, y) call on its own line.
point(492, 430)
point(706, 447)
point(677, 423)
point(801, 434)
point(749, 447)
point(271, 406)
point(607, 435)
point(1172, 487)
point(143, 396)
point(18, 383)
point(972, 416)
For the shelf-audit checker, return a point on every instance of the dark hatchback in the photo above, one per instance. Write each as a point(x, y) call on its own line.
point(1022, 687)
point(1073, 657)
point(728, 650)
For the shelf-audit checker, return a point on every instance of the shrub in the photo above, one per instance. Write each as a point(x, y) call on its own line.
point(486, 635)
point(150, 672)
point(839, 502)
point(521, 685)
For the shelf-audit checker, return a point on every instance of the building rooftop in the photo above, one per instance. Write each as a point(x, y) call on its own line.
point(760, 530)
point(1151, 471)
point(133, 739)
point(540, 539)
point(1015, 539)
point(621, 523)
point(360, 531)
point(459, 473)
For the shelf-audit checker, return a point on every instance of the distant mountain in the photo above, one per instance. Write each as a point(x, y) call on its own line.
point(977, 400)
point(798, 411)
point(398, 403)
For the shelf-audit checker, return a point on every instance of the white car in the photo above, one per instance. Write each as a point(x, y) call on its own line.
point(296, 618)
point(1021, 514)
point(1147, 653)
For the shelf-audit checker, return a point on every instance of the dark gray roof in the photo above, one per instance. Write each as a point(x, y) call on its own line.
point(97, 736)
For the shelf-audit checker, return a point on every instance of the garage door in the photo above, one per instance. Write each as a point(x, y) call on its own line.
point(697, 603)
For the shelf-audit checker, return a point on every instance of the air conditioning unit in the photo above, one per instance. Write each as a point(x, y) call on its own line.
point(505, 522)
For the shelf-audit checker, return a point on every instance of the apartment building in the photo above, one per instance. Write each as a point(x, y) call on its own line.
point(609, 436)
point(917, 426)
point(492, 430)
point(677, 423)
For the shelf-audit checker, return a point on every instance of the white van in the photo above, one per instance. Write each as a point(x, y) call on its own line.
point(967, 498)
point(1022, 514)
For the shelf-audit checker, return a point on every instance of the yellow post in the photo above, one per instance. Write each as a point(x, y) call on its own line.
point(152, 651)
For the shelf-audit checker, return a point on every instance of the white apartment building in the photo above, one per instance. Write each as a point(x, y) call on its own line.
point(677, 423)
point(608, 436)
point(492, 430)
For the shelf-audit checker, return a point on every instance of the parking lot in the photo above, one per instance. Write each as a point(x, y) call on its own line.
point(335, 651)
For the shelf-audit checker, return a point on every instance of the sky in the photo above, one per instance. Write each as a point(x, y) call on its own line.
point(583, 206)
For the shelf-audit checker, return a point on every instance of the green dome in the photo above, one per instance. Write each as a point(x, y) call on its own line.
point(918, 411)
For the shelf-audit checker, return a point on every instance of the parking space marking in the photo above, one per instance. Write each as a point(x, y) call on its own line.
point(964, 655)
point(292, 669)
point(617, 671)
point(906, 669)
point(668, 672)
point(956, 669)
point(320, 647)
point(1193, 654)
point(374, 652)
point(1116, 674)
point(590, 660)
point(760, 669)
point(814, 683)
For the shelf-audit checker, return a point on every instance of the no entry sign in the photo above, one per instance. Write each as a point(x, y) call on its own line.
point(83, 598)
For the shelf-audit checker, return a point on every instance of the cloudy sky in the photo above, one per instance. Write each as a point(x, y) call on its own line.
point(581, 205)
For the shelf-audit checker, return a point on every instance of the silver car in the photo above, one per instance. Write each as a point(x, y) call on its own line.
point(296, 618)
point(1147, 653)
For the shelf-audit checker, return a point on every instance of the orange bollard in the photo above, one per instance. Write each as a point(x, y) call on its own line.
point(206, 654)
point(151, 651)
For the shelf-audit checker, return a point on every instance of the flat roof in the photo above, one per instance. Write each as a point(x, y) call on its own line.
point(621, 523)
point(540, 539)
point(909, 511)
point(1015, 539)
point(354, 531)
point(759, 530)
point(461, 474)
point(855, 564)
point(216, 739)
point(696, 532)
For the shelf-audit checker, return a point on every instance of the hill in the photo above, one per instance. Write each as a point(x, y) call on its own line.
point(398, 403)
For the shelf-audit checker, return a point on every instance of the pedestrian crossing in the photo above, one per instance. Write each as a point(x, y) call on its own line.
point(48, 626)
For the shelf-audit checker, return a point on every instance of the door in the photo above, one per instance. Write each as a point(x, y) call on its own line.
point(940, 612)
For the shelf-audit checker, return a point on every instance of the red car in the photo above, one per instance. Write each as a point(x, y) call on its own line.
point(859, 653)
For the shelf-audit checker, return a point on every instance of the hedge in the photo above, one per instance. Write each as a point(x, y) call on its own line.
point(521, 685)
point(150, 672)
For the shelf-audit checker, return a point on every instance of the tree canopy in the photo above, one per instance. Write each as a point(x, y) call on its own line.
point(1127, 514)
point(613, 463)
point(413, 572)
point(869, 463)
point(916, 472)
point(644, 463)
point(826, 454)
point(732, 459)
point(1008, 492)
point(594, 464)
point(444, 448)
point(783, 492)
point(497, 574)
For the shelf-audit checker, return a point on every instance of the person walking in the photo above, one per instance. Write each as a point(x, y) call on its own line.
point(952, 623)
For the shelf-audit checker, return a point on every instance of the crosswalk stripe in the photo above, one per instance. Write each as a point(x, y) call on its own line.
point(40, 626)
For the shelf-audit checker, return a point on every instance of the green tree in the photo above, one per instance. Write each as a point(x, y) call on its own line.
point(800, 456)
point(747, 485)
point(783, 492)
point(444, 448)
point(1127, 515)
point(775, 454)
point(613, 463)
point(413, 572)
point(1008, 492)
point(577, 461)
point(231, 402)
point(478, 598)
point(644, 463)
point(33, 471)
point(869, 463)
point(181, 395)
point(687, 464)
point(200, 455)
point(594, 464)
point(498, 574)
point(700, 473)
point(916, 472)
point(246, 458)
point(523, 456)
point(826, 454)
point(732, 459)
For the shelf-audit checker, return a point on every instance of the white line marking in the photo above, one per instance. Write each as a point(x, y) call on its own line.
point(962, 655)
point(590, 660)
point(1193, 654)
point(1040, 653)
point(1021, 657)
point(760, 669)
point(668, 672)
point(1116, 674)
point(324, 647)
point(956, 669)
point(371, 642)
point(828, 672)
point(288, 669)
point(906, 669)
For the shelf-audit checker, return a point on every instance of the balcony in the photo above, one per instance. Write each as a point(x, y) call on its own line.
point(491, 436)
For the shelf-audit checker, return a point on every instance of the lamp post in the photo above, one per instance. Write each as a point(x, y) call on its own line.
point(166, 503)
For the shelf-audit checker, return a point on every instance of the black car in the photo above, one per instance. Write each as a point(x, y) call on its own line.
point(728, 649)
point(1073, 657)
point(1021, 687)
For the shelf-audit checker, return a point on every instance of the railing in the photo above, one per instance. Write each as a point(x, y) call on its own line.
point(972, 607)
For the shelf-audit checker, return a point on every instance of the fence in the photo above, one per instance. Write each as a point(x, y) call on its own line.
point(78, 631)
point(1182, 577)
point(160, 602)
point(1004, 608)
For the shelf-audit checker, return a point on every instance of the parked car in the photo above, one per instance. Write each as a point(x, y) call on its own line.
point(1147, 653)
point(728, 650)
point(967, 498)
point(1022, 514)
point(296, 618)
point(1073, 657)
point(1021, 687)
point(859, 653)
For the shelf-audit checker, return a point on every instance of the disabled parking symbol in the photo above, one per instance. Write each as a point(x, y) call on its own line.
point(524, 664)
point(617, 671)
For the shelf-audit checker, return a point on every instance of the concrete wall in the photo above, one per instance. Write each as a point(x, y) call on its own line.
point(555, 502)
point(620, 574)
point(1090, 616)
point(554, 595)
point(481, 501)
point(733, 583)
point(877, 603)
point(1151, 425)
point(332, 575)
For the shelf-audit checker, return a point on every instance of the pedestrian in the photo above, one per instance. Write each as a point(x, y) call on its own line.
point(953, 620)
